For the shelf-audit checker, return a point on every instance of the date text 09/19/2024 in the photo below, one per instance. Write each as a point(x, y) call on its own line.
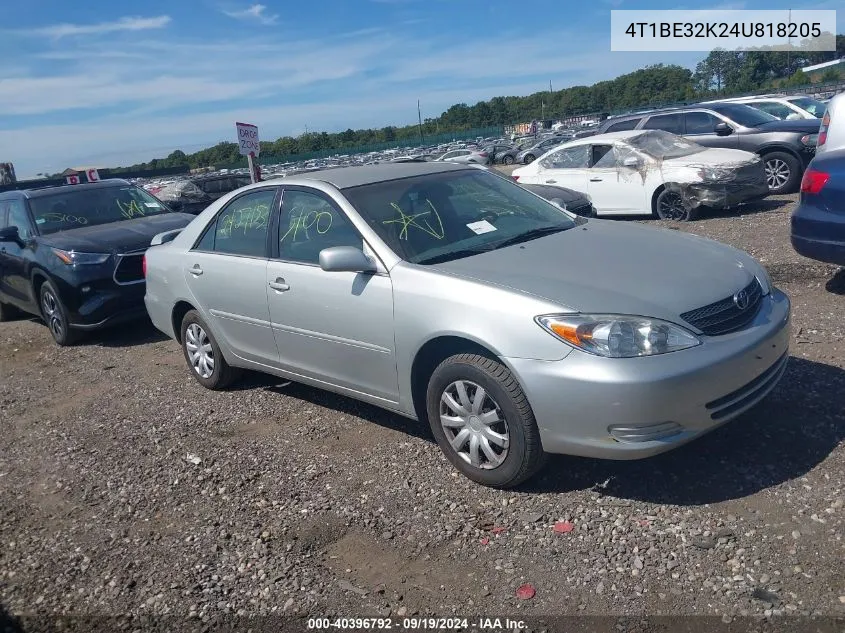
point(415, 624)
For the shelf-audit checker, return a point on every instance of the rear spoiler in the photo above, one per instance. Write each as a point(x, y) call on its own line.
point(164, 238)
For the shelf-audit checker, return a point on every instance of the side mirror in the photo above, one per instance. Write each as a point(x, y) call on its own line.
point(723, 129)
point(10, 234)
point(631, 161)
point(346, 259)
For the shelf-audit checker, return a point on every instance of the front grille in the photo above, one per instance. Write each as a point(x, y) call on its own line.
point(726, 316)
point(745, 396)
point(129, 269)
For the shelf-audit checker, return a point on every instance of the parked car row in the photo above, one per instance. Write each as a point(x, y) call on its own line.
point(442, 292)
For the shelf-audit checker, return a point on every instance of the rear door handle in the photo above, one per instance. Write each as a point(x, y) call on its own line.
point(279, 285)
point(196, 271)
point(595, 179)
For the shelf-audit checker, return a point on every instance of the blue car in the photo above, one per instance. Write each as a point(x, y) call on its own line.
point(818, 224)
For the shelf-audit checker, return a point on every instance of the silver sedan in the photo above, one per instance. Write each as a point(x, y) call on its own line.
point(453, 296)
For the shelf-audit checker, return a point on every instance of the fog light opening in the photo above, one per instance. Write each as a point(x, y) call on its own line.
point(631, 433)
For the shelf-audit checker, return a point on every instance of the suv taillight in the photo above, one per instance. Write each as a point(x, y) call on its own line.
point(144, 265)
point(823, 128)
point(516, 178)
point(813, 181)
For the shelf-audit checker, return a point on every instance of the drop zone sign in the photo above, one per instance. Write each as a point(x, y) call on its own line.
point(248, 143)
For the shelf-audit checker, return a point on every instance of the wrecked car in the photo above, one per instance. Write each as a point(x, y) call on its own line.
point(192, 195)
point(650, 172)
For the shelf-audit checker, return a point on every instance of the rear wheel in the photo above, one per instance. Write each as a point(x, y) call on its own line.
point(203, 355)
point(507, 159)
point(482, 421)
point(783, 173)
point(670, 205)
point(529, 158)
point(55, 315)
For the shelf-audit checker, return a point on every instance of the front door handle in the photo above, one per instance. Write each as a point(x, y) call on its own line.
point(548, 182)
point(279, 285)
point(196, 271)
point(595, 179)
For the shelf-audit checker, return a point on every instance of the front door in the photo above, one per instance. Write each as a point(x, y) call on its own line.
point(226, 272)
point(335, 327)
point(613, 187)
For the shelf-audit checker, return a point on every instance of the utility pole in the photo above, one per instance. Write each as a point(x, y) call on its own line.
point(550, 85)
point(419, 118)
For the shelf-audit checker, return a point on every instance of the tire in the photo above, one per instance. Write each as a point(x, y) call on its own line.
point(528, 159)
point(195, 336)
point(520, 453)
point(670, 205)
point(783, 172)
point(55, 315)
point(507, 159)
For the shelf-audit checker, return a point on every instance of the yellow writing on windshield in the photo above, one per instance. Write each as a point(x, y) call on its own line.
point(130, 210)
point(64, 217)
point(406, 221)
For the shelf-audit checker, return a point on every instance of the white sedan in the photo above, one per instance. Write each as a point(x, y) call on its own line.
point(650, 172)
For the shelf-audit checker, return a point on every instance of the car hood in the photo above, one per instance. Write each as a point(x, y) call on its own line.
point(808, 126)
point(607, 267)
point(117, 237)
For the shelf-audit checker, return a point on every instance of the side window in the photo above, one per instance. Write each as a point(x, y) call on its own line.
point(18, 217)
point(241, 228)
point(600, 152)
point(630, 124)
point(309, 223)
point(568, 158)
point(206, 242)
point(700, 122)
point(4, 209)
point(772, 107)
point(666, 122)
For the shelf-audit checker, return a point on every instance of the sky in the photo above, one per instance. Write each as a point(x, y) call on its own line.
point(107, 83)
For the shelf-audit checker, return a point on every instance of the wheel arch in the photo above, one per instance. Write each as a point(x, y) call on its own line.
point(180, 309)
point(770, 149)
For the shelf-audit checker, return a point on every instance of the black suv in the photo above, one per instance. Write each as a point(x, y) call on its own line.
point(786, 146)
point(193, 195)
point(73, 255)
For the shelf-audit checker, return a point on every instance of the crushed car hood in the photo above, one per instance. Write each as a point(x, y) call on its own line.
point(117, 237)
point(603, 266)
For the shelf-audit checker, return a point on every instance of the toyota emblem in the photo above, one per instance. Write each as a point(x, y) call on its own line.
point(741, 299)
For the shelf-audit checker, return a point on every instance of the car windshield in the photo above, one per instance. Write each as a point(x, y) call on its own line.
point(73, 209)
point(816, 108)
point(661, 145)
point(745, 115)
point(443, 216)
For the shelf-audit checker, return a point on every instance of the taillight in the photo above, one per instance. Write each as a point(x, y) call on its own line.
point(482, 154)
point(144, 265)
point(823, 129)
point(813, 181)
point(515, 177)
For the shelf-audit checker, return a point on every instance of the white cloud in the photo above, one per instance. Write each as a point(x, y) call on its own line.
point(256, 13)
point(57, 31)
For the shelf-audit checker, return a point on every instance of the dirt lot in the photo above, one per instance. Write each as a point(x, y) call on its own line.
point(302, 502)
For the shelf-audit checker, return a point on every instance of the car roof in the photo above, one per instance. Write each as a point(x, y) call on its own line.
point(346, 177)
point(51, 190)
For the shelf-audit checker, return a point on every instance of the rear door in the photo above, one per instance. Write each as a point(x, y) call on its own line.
point(226, 273)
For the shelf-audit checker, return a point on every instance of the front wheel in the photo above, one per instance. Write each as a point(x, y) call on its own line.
point(482, 421)
point(203, 355)
point(528, 159)
point(670, 205)
point(783, 172)
point(55, 315)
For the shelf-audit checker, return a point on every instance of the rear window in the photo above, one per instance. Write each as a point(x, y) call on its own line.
point(73, 209)
point(666, 122)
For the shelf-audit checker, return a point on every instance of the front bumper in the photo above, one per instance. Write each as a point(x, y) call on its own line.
point(577, 400)
point(103, 307)
point(724, 196)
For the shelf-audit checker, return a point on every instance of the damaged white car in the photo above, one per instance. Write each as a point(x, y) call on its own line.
point(650, 172)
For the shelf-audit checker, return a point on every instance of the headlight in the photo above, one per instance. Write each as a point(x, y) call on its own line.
point(714, 173)
point(811, 140)
point(73, 258)
point(618, 336)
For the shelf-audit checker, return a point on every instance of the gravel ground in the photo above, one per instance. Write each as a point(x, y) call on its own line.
point(126, 488)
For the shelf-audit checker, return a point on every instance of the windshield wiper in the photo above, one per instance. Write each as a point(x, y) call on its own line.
point(445, 257)
point(530, 235)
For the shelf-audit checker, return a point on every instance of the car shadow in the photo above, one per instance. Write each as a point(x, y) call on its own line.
point(329, 400)
point(789, 433)
point(836, 284)
point(8, 622)
point(766, 205)
point(129, 334)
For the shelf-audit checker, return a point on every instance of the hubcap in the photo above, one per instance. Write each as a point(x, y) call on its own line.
point(52, 314)
point(671, 207)
point(777, 173)
point(474, 425)
point(200, 352)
